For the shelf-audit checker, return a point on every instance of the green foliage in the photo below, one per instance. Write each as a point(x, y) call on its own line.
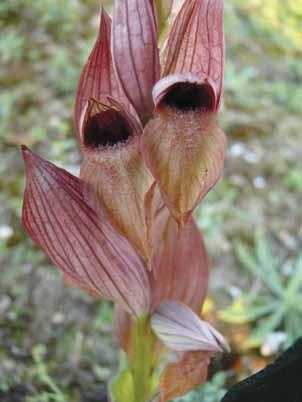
point(277, 304)
point(54, 394)
point(212, 391)
point(294, 180)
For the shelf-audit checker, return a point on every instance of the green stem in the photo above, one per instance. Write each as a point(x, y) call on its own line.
point(141, 361)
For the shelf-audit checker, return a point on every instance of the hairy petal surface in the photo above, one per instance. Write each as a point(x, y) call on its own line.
point(135, 52)
point(182, 330)
point(120, 180)
point(115, 171)
point(185, 152)
point(181, 377)
point(180, 266)
point(87, 249)
point(98, 79)
point(196, 42)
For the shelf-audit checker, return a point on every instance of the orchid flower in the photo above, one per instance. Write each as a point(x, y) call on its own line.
point(182, 144)
point(152, 149)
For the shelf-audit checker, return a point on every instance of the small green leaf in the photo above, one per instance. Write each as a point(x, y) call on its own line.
point(122, 387)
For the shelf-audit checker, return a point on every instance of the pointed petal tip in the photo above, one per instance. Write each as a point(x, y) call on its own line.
point(196, 42)
point(26, 152)
point(182, 330)
point(29, 157)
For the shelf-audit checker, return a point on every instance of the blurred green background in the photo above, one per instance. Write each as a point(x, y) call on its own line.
point(56, 343)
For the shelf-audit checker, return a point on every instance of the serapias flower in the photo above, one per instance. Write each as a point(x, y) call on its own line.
point(112, 102)
point(182, 144)
point(124, 229)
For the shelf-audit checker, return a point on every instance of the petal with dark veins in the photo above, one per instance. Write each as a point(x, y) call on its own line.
point(181, 377)
point(180, 267)
point(181, 330)
point(185, 152)
point(114, 170)
point(196, 42)
point(91, 254)
point(98, 79)
point(135, 52)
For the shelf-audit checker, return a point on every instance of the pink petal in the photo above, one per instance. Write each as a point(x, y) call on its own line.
point(123, 325)
point(185, 152)
point(180, 265)
point(135, 52)
point(115, 171)
point(196, 42)
point(179, 328)
point(88, 250)
point(179, 378)
point(98, 78)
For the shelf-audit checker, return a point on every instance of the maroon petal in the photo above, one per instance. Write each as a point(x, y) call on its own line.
point(185, 152)
point(180, 265)
point(196, 42)
point(98, 78)
point(181, 377)
point(88, 251)
point(115, 170)
point(135, 52)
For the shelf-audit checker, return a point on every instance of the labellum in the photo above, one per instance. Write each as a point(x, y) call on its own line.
point(183, 145)
point(115, 171)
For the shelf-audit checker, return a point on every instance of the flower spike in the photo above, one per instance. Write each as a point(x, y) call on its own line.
point(135, 52)
point(87, 249)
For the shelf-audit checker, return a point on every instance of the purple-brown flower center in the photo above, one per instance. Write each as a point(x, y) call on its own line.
point(186, 96)
point(106, 129)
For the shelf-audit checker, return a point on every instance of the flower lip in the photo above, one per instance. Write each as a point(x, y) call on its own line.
point(187, 96)
point(106, 129)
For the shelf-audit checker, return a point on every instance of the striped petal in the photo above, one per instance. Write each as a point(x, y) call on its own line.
point(185, 152)
point(180, 329)
point(115, 171)
point(196, 42)
point(180, 266)
point(90, 253)
point(135, 52)
point(98, 79)
point(181, 377)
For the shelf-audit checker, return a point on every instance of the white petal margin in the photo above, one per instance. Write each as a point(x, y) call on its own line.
point(181, 330)
point(163, 86)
